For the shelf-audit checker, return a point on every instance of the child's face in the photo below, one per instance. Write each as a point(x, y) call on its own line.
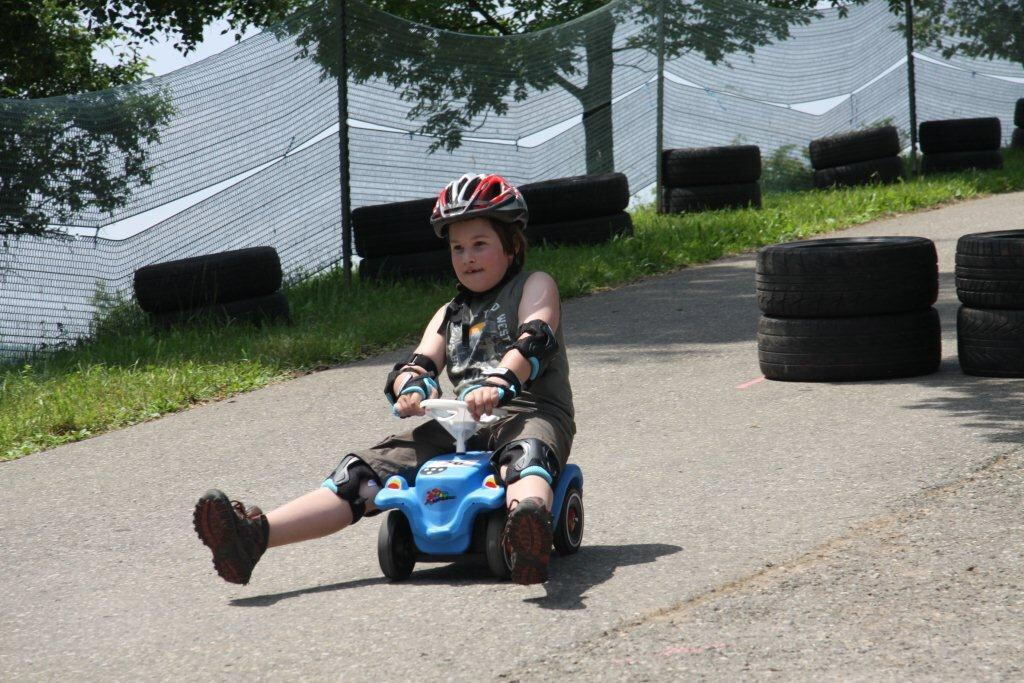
point(478, 258)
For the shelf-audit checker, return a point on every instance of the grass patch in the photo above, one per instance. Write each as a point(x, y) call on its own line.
point(128, 373)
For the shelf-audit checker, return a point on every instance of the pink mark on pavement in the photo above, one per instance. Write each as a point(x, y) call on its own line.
point(751, 383)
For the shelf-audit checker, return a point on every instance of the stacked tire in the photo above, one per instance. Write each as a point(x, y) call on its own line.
point(960, 144)
point(857, 158)
point(243, 285)
point(710, 178)
point(586, 209)
point(990, 286)
point(848, 309)
point(396, 241)
point(1018, 122)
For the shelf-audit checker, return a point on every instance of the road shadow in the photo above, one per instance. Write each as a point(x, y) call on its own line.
point(571, 576)
point(992, 406)
point(274, 598)
point(717, 304)
point(713, 304)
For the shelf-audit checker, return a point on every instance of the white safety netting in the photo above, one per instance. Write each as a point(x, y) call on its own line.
point(248, 153)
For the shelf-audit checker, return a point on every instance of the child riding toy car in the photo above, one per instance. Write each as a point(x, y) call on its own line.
point(456, 507)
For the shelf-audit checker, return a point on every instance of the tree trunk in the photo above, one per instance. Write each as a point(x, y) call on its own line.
point(596, 97)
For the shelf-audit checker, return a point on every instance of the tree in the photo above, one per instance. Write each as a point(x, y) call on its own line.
point(976, 28)
point(578, 57)
point(59, 157)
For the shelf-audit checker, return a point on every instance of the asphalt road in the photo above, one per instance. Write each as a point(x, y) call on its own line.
point(735, 528)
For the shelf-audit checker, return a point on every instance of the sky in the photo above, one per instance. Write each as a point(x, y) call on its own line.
point(163, 58)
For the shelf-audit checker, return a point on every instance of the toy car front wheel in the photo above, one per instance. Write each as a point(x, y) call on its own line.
point(396, 549)
point(497, 559)
point(569, 533)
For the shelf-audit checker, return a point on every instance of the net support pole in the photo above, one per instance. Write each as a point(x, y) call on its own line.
point(659, 125)
point(346, 202)
point(911, 83)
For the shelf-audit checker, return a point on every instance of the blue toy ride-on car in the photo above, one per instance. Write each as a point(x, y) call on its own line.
point(456, 508)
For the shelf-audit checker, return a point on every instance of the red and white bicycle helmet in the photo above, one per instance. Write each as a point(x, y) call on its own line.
point(479, 195)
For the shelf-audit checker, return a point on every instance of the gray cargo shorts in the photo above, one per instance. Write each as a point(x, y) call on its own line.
point(404, 453)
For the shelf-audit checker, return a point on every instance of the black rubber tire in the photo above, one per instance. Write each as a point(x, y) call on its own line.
point(583, 231)
point(990, 343)
point(396, 228)
point(712, 197)
point(961, 161)
point(1017, 141)
point(269, 308)
point(960, 135)
point(991, 248)
point(396, 548)
point(1018, 113)
point(208, 280)
point(854, 147)
point(429, 265)
point(985, 288)
point(711, 165)
point(494, 552)
point(849, 349)
point(884, 170)
point(568, 536)
point(990, 269)
point(576, 197)
point(847, 276)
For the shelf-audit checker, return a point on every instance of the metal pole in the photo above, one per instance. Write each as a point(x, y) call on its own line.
point(911, 83)
point(660, 121)
point(346, 201)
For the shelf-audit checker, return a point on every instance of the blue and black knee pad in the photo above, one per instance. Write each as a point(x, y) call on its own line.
point(526, 457)
point(346, 480)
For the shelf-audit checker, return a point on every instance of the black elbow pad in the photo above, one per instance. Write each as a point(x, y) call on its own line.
point(539, 347)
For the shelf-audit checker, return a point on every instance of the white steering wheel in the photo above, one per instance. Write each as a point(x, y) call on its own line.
point(455, 417)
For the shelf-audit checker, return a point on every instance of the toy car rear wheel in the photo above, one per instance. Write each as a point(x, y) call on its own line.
point(498, 560)
point(396, 549)
point(569, 533)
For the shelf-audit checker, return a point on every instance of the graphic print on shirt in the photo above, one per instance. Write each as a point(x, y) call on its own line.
point(486, 341)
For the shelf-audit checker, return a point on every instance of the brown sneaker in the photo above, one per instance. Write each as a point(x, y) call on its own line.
point(233, 532)
point(528, 541)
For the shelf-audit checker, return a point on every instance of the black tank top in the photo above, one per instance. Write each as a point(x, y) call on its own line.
point(479, 330)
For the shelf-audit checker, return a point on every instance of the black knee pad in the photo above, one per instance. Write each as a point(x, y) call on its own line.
point(526, 457)
point(346, 480)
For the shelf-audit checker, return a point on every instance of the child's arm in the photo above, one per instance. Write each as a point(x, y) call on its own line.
point(432, 347)
point(540, 314)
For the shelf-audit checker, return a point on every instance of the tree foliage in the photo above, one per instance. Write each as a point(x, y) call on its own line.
point(993, 29)
point(575, 56)
point(56, 160)
point(60, 156)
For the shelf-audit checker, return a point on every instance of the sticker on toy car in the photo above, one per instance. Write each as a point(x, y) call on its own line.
point(436, 496)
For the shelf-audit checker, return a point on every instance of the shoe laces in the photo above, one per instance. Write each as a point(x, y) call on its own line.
point(244, 512)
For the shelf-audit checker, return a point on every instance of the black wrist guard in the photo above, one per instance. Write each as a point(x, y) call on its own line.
point(422, 385)
point(505, 392)
point(416, 360)
point(538, 348)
